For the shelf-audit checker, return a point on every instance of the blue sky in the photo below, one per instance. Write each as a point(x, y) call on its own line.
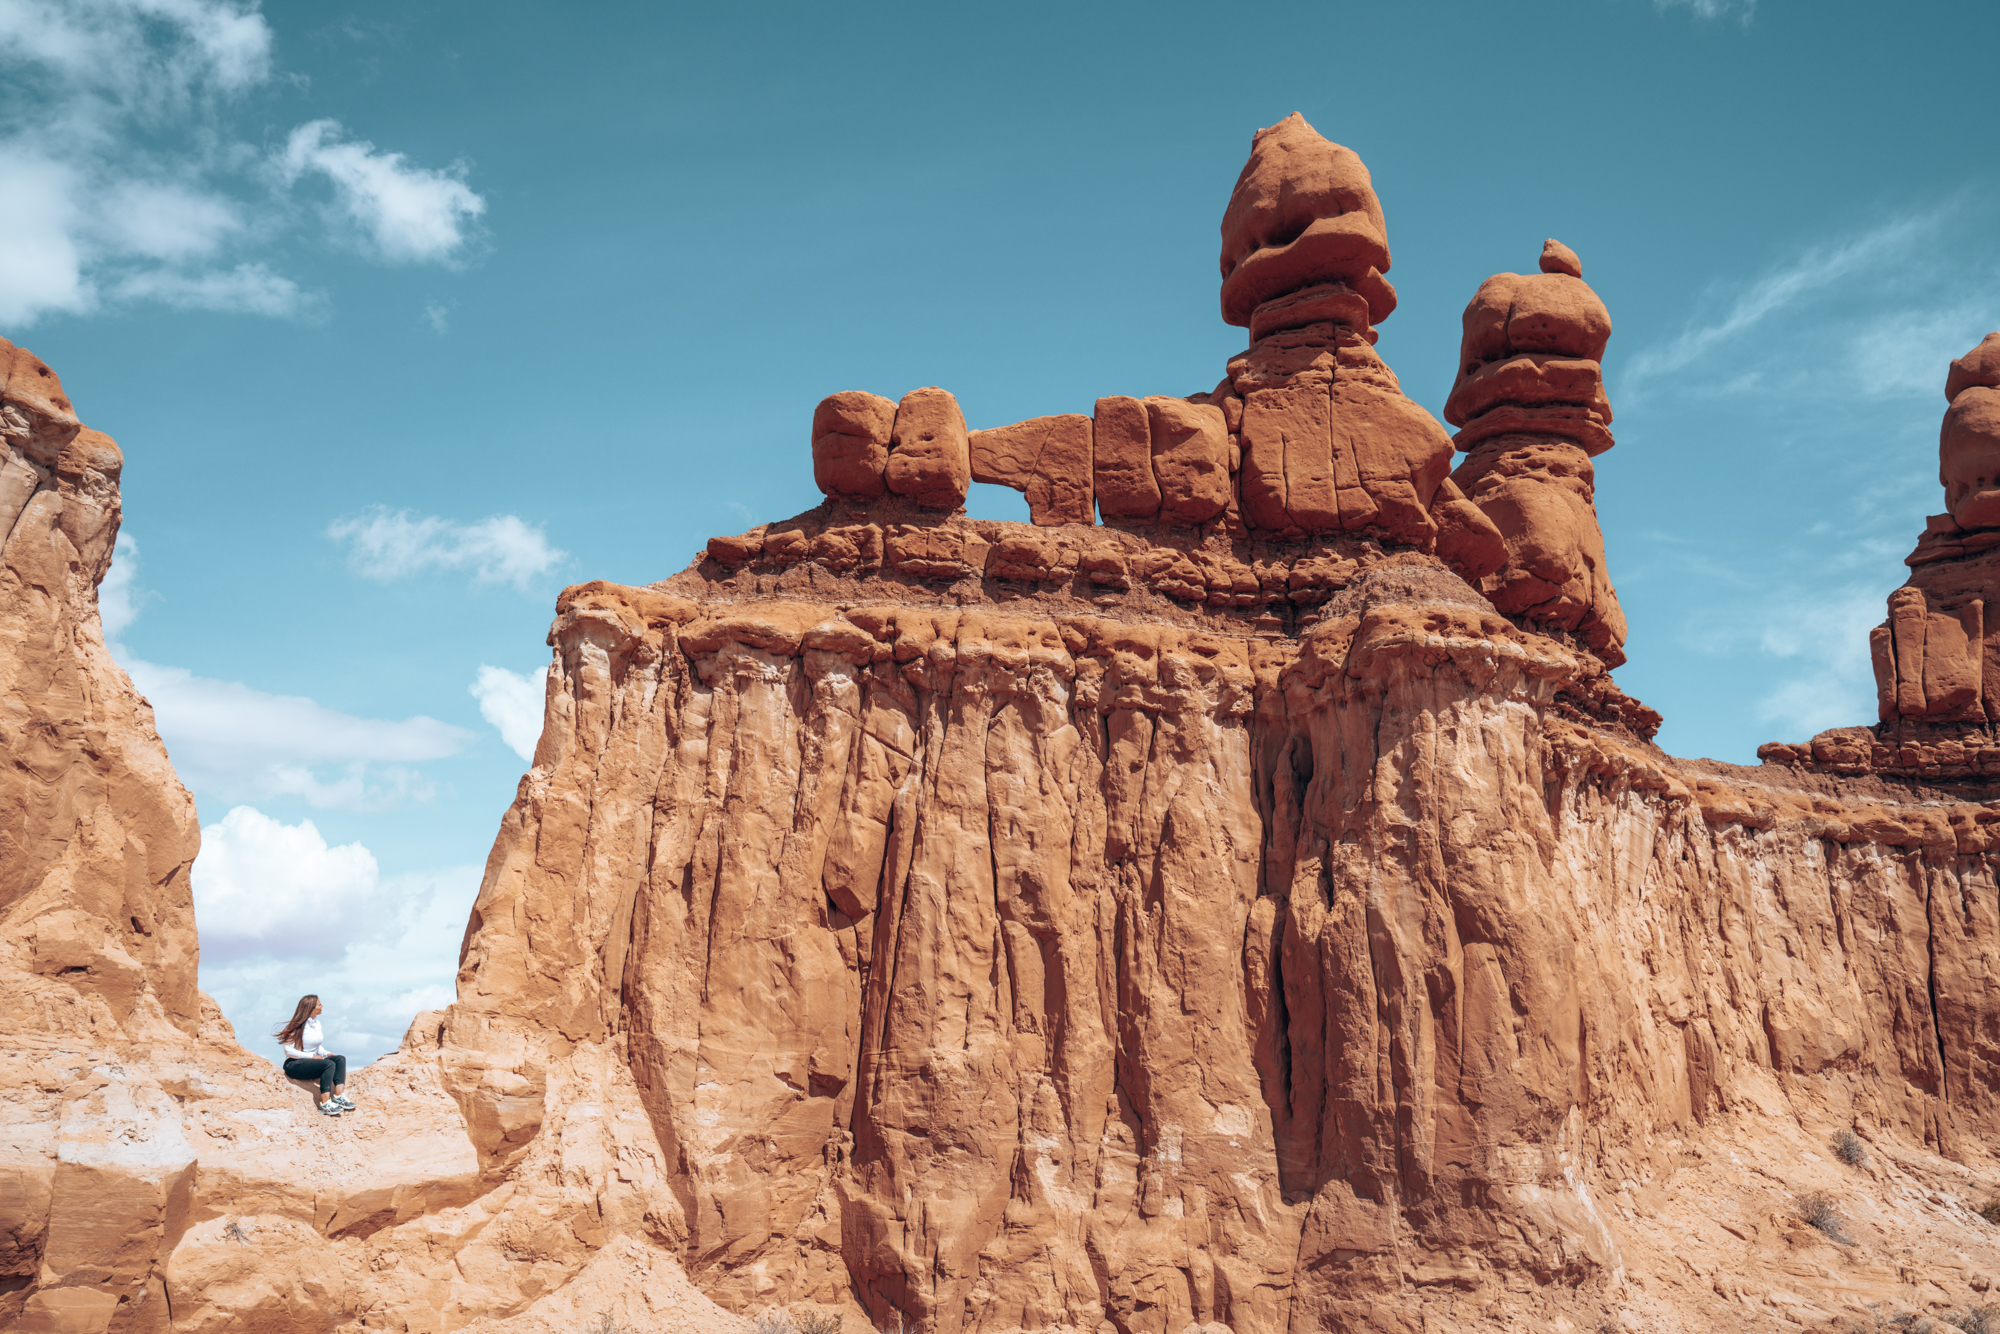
point(408, 315)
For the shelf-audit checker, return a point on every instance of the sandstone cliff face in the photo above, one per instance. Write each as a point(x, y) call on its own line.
point(154, 1174)
point(1034, 964)
point(1240, 897)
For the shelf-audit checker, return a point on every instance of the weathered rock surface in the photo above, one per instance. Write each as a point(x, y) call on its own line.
point(154, 1174)
point(1529, 399)
point(1252, 912)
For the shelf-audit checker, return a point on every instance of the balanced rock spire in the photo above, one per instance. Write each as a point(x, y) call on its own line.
point(1529, 402)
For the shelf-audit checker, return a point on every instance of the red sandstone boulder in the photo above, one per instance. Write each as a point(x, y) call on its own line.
point(36, 414)
point(1190, 450)
point(929, 457)
point(1048, 459)
point(1122, 462)
point(1981, 366)
point(1303, 213)
point(1559, 258)
point(1969, 457)
point(850, 444)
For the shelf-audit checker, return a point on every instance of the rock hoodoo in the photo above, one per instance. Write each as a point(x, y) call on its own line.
point(1937, 656)
point(1240, 897)
point(1529, 402)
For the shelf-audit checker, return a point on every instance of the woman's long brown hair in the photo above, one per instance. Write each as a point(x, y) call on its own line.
point(289, 1034)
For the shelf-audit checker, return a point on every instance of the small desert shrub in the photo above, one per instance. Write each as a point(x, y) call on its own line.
point(1990, 1211)
point(606, 1325)
point(775, 1321)
point(1976, 1320)
point(1817, 1209)
point(1848, 1148)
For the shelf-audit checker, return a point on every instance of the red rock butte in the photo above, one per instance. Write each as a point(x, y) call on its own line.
point(1240, 897)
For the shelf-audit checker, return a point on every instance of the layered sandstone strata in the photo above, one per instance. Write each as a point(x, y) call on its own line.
point(1276, 920)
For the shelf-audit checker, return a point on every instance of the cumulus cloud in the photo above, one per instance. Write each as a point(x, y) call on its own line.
point(282, 913)
point(389, 544)
point(406, 213)
point(126, 181)
point(244, 744)
point(260, 884)
point(513, 704)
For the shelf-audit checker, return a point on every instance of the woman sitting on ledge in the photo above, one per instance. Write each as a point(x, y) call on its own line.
point(306, 1057)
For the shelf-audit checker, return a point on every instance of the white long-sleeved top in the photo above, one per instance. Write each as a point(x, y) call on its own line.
point(311, 1043)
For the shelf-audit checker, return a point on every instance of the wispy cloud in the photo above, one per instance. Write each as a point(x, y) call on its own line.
point(1816, 643)
point(513, 703)
point(247, 289)
point(126, 181)
point(1741, 10)
point(1783, 288)
point(245, 744)
point(389, 544)
point(403, 213)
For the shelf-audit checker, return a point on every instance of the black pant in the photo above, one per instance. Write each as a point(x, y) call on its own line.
point(328, 1070)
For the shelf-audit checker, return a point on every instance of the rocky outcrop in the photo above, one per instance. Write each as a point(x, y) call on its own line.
point(1936, 657)
point(1240, 897)
point(1309, 436)
point(154, 1174)
point(1529, 399)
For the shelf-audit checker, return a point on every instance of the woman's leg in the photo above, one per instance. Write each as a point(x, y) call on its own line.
point(296, 1068)
point(339, 1072)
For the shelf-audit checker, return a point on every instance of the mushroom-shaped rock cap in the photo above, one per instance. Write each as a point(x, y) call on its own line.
point(1559, 258)
point(1979, 367)
point(1303, 212)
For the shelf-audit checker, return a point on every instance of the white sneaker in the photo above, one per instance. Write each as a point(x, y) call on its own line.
point(331, 1108)
point(345, 1105)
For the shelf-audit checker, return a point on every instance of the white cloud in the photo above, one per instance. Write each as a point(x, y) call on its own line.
point(1818, 641)
point(126, 182)
point(41, 267)
point(1711, 9)
point(513, 704)
point(389, 544)
point(243, 744)
point(119, 594)
point(1815, 270)
point(262, 885)
point(408, 213)
point(281, 913)
point(438, 315)
point(248, 289)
